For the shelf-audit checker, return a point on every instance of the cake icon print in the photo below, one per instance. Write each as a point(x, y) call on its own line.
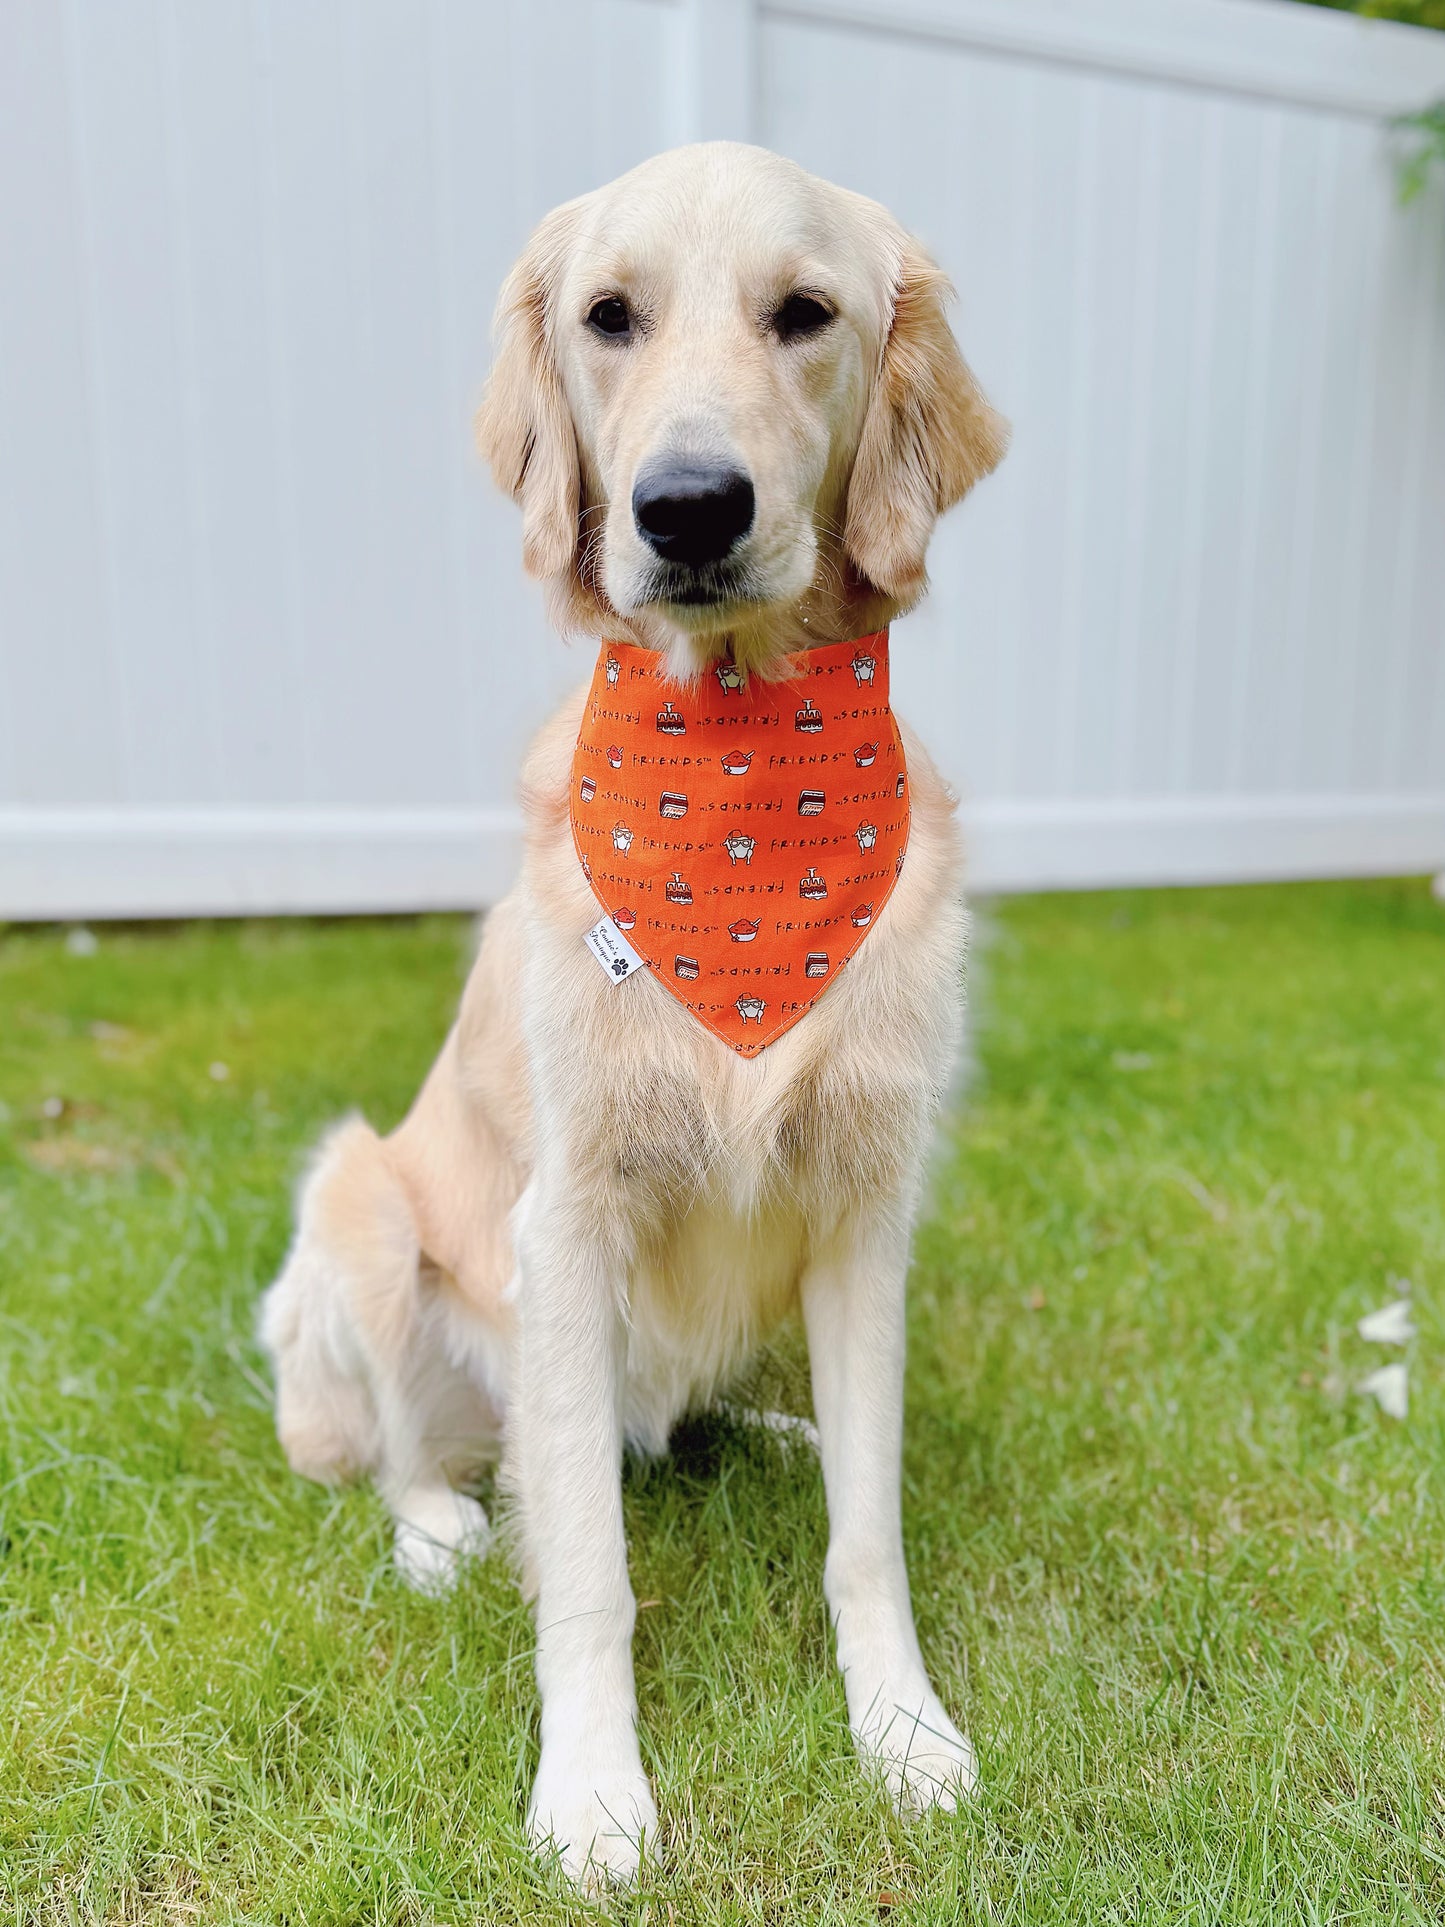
point(809, 719)
point(812, 886)
point(677, 889)
point(669, 722)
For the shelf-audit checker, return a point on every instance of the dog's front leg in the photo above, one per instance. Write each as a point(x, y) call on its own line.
point(853, 1296)
point(591, 1802)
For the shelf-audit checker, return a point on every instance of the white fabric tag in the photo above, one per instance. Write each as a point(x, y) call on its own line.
point(612, 950)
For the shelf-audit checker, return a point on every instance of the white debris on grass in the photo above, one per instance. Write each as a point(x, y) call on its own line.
point(785, 1424)
point(81, 942)
point(1390, 1325)
point(1390, 1388)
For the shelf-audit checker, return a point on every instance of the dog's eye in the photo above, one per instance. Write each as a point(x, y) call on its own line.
point(610, 316)
point(801, 314)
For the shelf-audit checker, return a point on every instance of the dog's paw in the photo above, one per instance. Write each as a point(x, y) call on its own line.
point(596, 1822)
point(435, 1532)
point(925, 1760)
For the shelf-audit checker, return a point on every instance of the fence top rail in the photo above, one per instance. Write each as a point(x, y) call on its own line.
point(1272, 49)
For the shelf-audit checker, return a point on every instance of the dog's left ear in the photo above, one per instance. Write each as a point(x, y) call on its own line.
point(927, 437)
point(524, 426)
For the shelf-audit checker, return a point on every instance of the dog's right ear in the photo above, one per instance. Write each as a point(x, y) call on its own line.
point(524, 426)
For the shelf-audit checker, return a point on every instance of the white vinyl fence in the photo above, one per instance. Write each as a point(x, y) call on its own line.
point(265, 641)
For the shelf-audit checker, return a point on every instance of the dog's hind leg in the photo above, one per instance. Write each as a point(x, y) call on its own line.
point(326, 1415)
point(364, 1383)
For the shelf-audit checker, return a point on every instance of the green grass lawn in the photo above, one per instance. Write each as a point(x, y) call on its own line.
point(1186, 1589)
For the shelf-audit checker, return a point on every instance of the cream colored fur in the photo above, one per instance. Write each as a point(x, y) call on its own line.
point(595, 1211)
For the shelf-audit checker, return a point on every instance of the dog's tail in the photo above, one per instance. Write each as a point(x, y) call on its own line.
point(349, 1287)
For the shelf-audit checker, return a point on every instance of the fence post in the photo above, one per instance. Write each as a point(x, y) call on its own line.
point(721, 62)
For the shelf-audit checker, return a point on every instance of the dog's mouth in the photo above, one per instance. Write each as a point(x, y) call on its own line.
point(711, 588)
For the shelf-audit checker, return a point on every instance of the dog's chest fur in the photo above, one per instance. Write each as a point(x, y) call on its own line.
point(717, 1177)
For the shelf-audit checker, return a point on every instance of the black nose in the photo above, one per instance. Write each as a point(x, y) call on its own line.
point(692, 515)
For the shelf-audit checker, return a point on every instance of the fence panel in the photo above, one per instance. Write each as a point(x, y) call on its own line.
point(264, 639)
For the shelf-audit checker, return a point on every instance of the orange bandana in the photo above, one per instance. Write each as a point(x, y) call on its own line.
point(743, 836)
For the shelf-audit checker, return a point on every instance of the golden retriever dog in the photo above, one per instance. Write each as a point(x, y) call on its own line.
point(595, 1210)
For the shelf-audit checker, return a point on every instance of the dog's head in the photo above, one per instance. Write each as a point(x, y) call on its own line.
point(729, 403)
